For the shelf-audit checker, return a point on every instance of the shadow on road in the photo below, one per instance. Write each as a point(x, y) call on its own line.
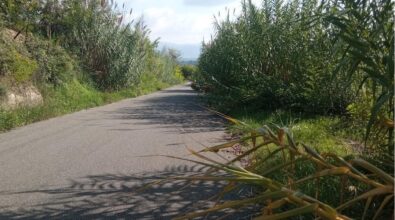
point(119, 197)
point(178, 111)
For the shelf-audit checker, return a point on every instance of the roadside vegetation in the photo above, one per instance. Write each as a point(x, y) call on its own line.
point(308, 87)
point(77, 54)
point(188, 71)
point(326, 59)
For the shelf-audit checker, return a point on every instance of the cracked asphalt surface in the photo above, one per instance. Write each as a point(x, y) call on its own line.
point(89, 164)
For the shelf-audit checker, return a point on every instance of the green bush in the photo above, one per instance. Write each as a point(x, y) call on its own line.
point(55, 66)
point(114, 54)
point(36, 59)
point(273, 57)
point(188, 71)
point(21, 67)
point(16, 62)
point(162, 66)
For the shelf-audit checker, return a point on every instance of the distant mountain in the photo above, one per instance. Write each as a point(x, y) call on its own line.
point(189, 52)
point(188, 62)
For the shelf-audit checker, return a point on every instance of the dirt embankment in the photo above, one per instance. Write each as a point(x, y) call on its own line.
point(24, 95)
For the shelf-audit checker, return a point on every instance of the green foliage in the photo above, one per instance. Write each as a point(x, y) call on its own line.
point(359, 113)
point(328, 133)
point(110, 51)
point(178, 77)
point(150, 83)
point(163, 66)
point(316, 57)
point(34, 59)
point(295, 180)
point(21, 67)
point(15, 61)
point(113, 53)
point(366, 27)
point(20, 14)
point(56, 66)
point(310, 57)
point(189, 71)
point(273, 57)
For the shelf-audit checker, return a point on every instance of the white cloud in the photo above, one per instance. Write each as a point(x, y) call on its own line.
point(179, 21)
point(177, 27)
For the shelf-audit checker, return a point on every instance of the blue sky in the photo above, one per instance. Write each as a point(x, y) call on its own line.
point(181, 24)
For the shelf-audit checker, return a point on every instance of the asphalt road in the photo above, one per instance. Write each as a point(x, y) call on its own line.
point(89, 165)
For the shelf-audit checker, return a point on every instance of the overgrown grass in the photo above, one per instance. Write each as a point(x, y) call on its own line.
point(294, 180)
point(327, 133)
point(70, 97)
